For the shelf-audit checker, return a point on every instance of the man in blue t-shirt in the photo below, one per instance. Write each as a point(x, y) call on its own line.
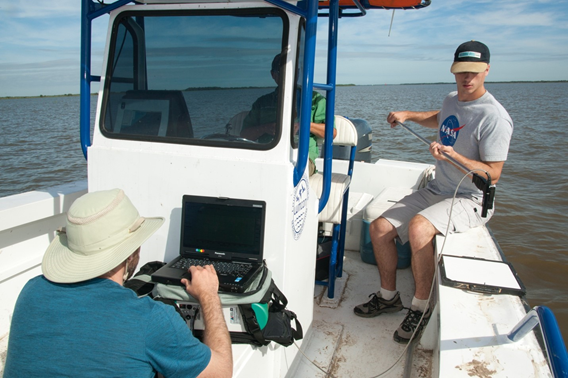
point(77, 320)
point(474, 130)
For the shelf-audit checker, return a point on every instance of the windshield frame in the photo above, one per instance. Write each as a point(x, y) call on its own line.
point(141, 66)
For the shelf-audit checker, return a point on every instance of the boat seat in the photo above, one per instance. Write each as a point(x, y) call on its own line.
point(331, 213)
point(346, 136)
point(335, 211)
point(160, 113)
point(235, 124)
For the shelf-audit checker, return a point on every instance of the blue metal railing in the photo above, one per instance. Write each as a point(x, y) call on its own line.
point(289, 7)
point(330, 101)
point(311, 15)
point(89, 11)
point(555, 347)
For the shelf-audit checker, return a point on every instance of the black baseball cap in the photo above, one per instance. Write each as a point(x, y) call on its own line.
point(472, 56)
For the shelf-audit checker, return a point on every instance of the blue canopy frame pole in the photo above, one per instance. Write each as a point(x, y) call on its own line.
point(89, 11)
point(310, 13)
point(307, 89)
point(307, 84)
point(330, 100)
point(85, 89)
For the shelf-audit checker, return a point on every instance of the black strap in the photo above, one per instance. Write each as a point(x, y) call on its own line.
point(278, 302)
point(275, 298)
point(297, 333)
point(251, 323)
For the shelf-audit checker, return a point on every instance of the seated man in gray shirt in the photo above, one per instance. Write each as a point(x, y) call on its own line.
point(474, 130)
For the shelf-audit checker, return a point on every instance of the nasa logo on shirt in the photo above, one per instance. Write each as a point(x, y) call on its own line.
point(450, 130)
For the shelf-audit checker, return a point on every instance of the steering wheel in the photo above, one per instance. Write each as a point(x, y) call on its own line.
point(228, 137)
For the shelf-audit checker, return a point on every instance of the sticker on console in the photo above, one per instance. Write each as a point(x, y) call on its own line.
point(300, 207)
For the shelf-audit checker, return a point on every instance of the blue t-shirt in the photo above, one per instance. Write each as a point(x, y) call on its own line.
point(98, 328)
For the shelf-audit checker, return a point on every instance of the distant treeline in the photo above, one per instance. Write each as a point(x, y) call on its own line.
point(493, 82)
point(40, 96)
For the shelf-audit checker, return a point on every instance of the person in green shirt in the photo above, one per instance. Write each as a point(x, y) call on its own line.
point(260, 124)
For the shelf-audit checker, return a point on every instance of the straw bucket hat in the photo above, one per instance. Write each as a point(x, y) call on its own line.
point(103, 229)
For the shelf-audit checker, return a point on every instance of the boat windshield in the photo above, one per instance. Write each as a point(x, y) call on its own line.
point(206, 78)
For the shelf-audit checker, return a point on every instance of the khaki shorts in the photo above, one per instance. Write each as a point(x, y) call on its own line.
point(466, 212)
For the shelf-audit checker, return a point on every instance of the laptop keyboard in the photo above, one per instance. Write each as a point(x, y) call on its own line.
point(220, 266)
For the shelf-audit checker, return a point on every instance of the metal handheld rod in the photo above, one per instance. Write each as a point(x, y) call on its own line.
point(481, 183)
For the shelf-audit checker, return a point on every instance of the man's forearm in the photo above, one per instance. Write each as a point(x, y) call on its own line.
point(427, 119)
point(318, 129)
point(216, 335)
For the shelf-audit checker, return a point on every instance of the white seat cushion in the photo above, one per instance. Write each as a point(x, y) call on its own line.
point(346, 132)
point(339, 184)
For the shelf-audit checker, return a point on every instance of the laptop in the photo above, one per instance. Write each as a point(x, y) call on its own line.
point(225, 232)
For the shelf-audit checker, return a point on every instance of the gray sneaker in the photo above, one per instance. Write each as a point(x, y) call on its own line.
point(410, 323)
point(377, 306)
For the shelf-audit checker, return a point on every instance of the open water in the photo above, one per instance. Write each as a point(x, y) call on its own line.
point(40, 148)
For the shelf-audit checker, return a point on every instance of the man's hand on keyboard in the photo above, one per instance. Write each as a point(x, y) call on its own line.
point(203, 282)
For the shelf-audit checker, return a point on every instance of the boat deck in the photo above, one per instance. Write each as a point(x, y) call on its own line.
point(466, 336)
point(346, 345)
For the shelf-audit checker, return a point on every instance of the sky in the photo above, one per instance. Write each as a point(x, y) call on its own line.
point(528, 39)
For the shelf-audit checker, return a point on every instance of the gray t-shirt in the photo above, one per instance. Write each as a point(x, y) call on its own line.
point(479, 130)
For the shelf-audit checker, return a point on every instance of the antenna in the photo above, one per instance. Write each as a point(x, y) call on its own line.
point(392, 18)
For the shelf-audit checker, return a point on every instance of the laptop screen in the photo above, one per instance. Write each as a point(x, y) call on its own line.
point(222, 228)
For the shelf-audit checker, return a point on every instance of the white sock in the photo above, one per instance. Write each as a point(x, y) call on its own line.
point(420, 304)
point(387, 295)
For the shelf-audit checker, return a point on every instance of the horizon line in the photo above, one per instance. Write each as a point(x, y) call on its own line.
point(338, 85)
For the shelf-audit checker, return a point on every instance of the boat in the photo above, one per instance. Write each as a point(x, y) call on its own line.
point(178, 82)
